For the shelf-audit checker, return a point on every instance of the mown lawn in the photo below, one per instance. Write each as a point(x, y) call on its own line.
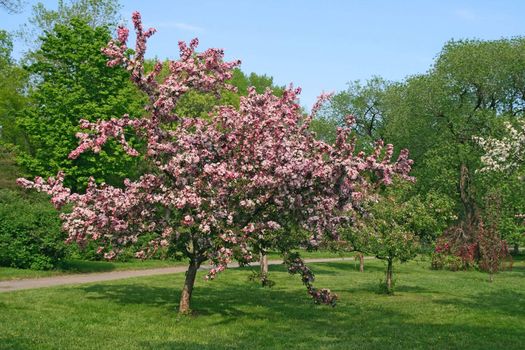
point(82, 266)
point(431, 310)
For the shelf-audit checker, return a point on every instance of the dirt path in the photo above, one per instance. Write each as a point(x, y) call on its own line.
point(13, 285)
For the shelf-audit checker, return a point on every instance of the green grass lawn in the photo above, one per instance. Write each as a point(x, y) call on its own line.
point(81, 266)
point(431, 310)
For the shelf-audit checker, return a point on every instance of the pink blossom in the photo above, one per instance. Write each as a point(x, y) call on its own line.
point(188, 220)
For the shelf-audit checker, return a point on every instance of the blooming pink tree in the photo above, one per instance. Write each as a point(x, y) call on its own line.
point(223, 188)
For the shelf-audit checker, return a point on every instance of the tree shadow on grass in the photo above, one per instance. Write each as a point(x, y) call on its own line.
point(291, 320)
point(516, 270)
point(375, 288)
point(413, 289)
point(170, 345)
point(367, 328)
point(505, 302)
point(128, 294)
point(301, 323)
point(13, 343)
point(206, 300)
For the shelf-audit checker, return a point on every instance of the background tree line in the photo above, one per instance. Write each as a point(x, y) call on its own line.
point(471, 90)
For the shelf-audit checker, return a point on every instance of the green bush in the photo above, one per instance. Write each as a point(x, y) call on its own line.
point(89, 251)
point(86, 252)
point(30, 235)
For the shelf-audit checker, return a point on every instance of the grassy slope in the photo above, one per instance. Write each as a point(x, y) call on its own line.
point(432, 310)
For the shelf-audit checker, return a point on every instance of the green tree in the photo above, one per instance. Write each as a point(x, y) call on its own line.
point(472, 88)
point(365, 102)
point(12, 100)
point(502, 205)
point(11, 6)
point(73, 83)
point(325, 129)
point(30, 235)
point(96, 13)
point(388, 227)
point(200, 104)
point(504, 161)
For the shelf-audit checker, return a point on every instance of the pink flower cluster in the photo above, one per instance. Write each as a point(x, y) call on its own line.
point(321, 296)
point(204, 71)
point(445, 248)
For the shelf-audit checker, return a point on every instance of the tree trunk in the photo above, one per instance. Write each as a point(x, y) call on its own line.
point(516, 250)
point(468, 202)
point(361, 262)
point(491, 276)
point(264, 267)
point(389, 273)
point(185, 297)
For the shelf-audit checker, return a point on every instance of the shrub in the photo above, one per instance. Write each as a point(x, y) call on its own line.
point(457, 250)
point(30, 235)
point(493, 250)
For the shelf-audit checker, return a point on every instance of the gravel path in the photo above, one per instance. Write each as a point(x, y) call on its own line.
point(14, 285)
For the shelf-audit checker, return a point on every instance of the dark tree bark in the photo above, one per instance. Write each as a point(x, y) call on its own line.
point(389, 276)
point(361, 258)
point(468, 202)
point(189, 282)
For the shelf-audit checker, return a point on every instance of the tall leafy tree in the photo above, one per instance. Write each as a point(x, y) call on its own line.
point(11, 6)
point(74, 82)
point(96, 13)
point(504, 162)
point(471, 89)
point(12, 99)
point(365, 101)
point(196, 103)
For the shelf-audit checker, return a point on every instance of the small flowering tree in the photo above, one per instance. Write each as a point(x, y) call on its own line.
point(222, 188)
point(455, 249)
point(486, 250)
point(492, 250)
point(384, 227)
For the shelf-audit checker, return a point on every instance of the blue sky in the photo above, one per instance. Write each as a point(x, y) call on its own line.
point(320, 45)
